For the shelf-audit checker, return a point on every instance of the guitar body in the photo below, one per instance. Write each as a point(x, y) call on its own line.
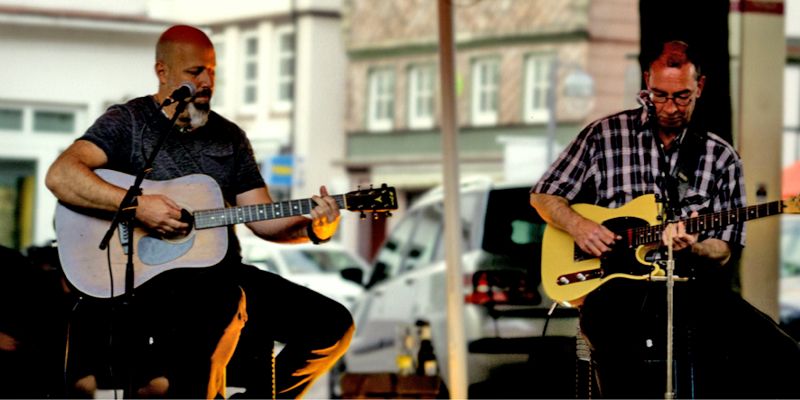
point(86, 266)
point(569, 274)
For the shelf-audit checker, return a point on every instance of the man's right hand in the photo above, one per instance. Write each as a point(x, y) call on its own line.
point(7, 342)
point(161, 214)
point(591, 237)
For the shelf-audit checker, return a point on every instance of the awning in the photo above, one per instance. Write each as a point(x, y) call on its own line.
point(791, 180)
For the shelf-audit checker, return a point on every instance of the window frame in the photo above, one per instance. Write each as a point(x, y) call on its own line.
point(380, 93)
point(279, 55)
point(250, 83)
point(537, 71)
point(421, 74)
point(489, 88)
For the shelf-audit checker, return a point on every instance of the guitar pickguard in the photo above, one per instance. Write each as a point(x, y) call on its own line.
point(156, 251)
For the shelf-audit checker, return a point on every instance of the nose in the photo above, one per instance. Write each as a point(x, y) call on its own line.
point(670, 106)
point(205, 79)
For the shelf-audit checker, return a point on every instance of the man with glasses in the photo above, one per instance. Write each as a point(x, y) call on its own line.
point(723, 346)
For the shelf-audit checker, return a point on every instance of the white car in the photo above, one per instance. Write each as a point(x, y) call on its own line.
point(513, 350)
point(329, 269)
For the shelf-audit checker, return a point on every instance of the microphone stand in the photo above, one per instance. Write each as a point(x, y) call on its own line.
point(670, 279)
point(126, 215)
point(669, 393)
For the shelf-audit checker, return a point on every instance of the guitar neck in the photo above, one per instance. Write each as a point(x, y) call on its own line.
point(706, 222)
point(259, 212)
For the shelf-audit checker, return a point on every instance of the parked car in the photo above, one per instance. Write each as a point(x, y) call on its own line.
point(790, 275)
point(508, 334)
point(329, 269)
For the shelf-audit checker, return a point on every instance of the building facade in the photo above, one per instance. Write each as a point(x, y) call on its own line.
point(516, 60)
point(63, 66)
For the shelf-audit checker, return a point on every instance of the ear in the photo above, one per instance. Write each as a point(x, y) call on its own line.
point(701, 83)
point(161, 72)
point(646, 75)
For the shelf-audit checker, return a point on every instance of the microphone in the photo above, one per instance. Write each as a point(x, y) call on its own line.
point(184, 93)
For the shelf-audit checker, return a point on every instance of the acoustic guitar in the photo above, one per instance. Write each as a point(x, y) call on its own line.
point(79, 231)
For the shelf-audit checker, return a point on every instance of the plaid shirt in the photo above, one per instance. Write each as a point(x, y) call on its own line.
point(616, 159)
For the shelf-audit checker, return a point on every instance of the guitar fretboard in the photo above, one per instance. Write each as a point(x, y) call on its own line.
point(652, 234)
point(242, 214)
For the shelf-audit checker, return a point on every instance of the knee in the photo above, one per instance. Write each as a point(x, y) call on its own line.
point(85, 387)
point(156, 388)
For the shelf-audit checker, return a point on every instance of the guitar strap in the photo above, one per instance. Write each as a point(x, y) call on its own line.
point(679, 179)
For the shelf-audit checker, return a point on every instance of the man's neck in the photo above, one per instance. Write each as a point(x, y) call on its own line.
point(668, 137)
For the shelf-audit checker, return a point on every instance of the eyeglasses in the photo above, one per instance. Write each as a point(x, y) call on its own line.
point(683, 100)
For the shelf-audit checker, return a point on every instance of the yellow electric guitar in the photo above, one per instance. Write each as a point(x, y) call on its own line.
point(98, 274)
point(569, 274)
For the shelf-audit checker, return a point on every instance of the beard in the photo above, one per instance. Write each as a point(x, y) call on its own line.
point(197, 115)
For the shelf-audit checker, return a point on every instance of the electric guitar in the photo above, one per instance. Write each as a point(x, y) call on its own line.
point(79, 231)
point(569, 274)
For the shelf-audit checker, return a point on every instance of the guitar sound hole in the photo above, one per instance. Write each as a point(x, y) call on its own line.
point(177, 238)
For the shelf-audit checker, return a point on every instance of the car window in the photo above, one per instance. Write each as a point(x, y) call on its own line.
point(423, 243)
point(387, 261)
point(315, 262)
point(469, 211)
point(512, 228)
point(270, 264)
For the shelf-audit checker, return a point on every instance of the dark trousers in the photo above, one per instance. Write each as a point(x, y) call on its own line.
point(179, 316)
point(723, 346)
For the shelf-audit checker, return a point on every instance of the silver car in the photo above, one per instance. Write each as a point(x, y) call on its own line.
point(510, 341)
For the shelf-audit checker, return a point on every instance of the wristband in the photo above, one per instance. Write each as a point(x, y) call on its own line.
point(313, 236)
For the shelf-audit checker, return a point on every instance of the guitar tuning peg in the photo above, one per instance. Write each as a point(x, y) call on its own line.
point(384, 186)
point(362, 216)
point(374, 216)
point(388, 214)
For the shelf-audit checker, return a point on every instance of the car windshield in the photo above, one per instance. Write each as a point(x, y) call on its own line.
point(316, 262)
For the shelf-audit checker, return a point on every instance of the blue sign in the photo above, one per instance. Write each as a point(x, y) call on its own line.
point(278, 170)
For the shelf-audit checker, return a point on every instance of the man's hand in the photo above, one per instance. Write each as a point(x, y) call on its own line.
point(7, 342)
point(676, 233)
point(325, 216)
point(592, 237)
point(161, 214)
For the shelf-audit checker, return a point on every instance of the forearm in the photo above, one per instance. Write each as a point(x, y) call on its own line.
point(555, 210)
point(715, 250)
point(73, 182)
point(282, 230)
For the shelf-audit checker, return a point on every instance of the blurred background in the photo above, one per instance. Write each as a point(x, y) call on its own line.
point(345, 93)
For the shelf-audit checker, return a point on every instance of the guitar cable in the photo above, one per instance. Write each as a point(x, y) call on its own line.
point(111, 376)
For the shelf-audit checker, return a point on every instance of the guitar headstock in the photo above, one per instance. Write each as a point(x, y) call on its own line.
point(792, 205)
point(372, 200)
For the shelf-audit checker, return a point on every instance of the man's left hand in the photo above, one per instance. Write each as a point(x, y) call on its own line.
point(325, 216)
point(676, 233)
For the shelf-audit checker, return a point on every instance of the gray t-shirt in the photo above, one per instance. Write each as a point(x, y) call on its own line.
point(219, 149)
point(128, 132)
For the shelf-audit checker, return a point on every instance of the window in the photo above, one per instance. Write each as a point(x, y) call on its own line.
point(250, 81)
point(285, 67)
point(10, 119)
point(219, 78)
point(380, 113)
point(388, 258)
point(537, 87)
point(420, 96)
point(485, 85)
point(53, 121)
point(37, 119)
point(423, 243)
